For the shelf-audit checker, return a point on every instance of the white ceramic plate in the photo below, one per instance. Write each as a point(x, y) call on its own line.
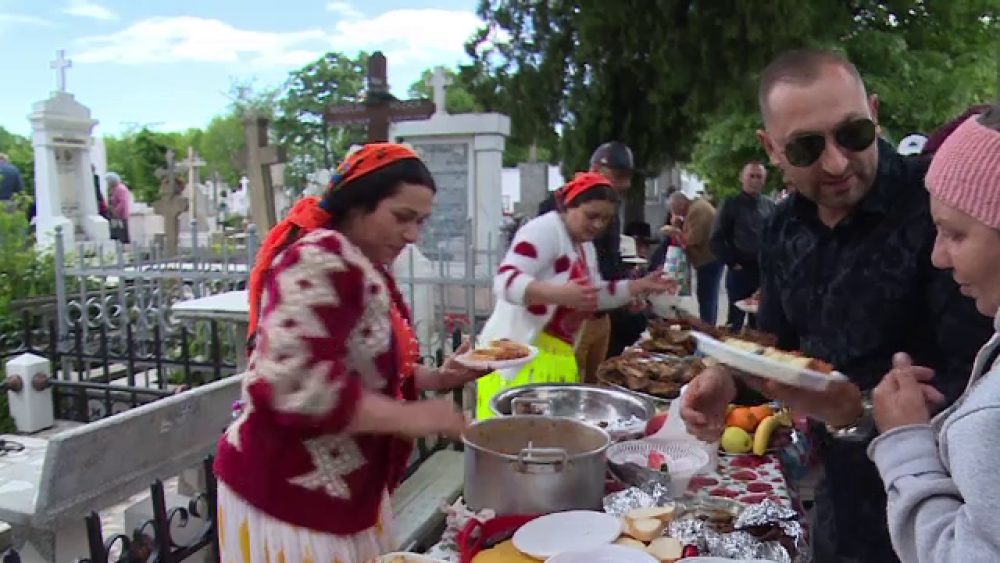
point(605, 554)
point(465, 360)
point(575, 530)
point(746, 306)
point(762, 366)
point(400, 557)
point(722, 560)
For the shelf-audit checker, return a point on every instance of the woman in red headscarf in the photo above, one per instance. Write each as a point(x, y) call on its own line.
point(330, 392)
point(549, 284)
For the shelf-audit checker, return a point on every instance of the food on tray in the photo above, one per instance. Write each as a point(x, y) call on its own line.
point(795, 359)
point(720, 515)
point(500, 350)
point(655, 375)
point(753, 429)
point(666, 550)
point(642, 529)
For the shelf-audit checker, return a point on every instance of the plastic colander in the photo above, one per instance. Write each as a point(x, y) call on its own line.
point(684, 459)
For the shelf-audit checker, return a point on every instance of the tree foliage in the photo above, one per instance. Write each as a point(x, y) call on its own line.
point(665, 76)
point(22, 155)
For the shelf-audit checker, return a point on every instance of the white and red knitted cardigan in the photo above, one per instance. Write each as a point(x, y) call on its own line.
point(325, 338)
point(542, 250)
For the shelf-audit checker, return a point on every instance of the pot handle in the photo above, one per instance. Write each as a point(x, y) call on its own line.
point(523, 405)
point(542, 460)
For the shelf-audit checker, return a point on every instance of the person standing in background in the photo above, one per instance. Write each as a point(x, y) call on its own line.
point(11, 181)
point(121, 205)
point(736, 239)
point(698, 216)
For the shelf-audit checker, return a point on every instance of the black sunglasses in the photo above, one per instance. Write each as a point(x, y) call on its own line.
point(855, 136)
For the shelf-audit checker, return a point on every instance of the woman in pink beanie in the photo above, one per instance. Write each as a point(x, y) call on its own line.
point(941, 472)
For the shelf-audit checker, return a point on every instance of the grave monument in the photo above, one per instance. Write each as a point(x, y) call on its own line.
point(465, 155)
point(257, 160)
point(64, 181)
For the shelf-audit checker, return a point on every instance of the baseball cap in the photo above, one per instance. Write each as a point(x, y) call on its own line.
point(613, 154)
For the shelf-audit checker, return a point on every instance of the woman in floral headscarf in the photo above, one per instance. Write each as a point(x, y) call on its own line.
point(330, 392)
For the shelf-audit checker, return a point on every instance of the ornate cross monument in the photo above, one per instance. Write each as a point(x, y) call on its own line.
point(60, 65)
point(380, 107)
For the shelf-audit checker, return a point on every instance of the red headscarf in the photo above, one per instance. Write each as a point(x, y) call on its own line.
point(581, 183)
point(307, 215)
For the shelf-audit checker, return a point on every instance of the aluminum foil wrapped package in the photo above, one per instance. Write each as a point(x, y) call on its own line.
point(744, 546)
point(763, 514)
point(620, 503)
point(692, 531)
point(794, 530)
point(659, 492)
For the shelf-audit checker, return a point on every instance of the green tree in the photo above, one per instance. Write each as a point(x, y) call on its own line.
point(22, 155)
point(598, 75)
point(311, 142)
point(458, 99)
point(925, 65)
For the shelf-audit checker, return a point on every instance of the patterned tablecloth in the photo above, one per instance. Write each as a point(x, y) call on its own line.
point(745, 478)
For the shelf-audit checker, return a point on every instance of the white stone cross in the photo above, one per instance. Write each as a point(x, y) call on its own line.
point(60, 65)
point(193, 162)
point(439, 82)
point(244, 182)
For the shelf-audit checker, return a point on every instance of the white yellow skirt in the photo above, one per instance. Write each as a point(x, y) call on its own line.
point(247, 535)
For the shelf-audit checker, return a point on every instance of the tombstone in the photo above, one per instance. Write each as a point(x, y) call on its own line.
point(64, 181)
point(465, 154)
point(145, 224)
point(198, 206)
point(256, 160)
point(412, 264)
point(534, 186)
point(170, 206)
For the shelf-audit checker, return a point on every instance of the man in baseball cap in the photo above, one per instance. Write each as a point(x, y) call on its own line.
point(614, 161)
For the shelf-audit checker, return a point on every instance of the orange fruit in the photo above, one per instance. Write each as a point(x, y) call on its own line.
point(762, 412)
point(743, 417)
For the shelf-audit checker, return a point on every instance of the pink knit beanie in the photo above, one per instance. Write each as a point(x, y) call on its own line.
point(965, 172)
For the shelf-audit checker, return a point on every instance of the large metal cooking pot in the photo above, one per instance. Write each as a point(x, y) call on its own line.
point(621, 413)
point(534, 465)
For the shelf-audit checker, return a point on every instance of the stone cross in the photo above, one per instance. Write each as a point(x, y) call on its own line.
point(244, 183)
point(258, 158)
point(193, 163)
point(170, 206)
point(439, 82)
point(380, 107)
point(169, 172)
point(60, 65)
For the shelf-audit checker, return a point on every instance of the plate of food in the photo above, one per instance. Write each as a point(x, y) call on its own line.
point(766, 361)
point(653, 376)
point(497, 354)
point(748, 305)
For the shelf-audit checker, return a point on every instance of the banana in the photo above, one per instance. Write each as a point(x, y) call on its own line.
point(762, 437)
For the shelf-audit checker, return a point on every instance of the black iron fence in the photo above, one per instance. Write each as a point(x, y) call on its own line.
point(102, 371)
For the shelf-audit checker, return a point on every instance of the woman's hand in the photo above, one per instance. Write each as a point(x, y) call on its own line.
point(452, 374)
point(904, 397)
point(433, 416)
point(653, 284)
point(576, 295)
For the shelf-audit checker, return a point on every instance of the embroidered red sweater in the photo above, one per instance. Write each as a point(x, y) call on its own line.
point(325, 338)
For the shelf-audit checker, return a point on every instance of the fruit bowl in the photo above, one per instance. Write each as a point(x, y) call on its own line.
point(684, 459)
point(760, 429)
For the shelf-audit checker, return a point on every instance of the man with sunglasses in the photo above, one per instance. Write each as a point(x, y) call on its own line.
point(846, 277)
point(614, 161)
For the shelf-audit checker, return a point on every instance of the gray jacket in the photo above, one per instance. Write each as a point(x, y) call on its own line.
point(943, 478)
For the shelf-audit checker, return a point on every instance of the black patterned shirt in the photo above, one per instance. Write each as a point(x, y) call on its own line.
point(855, 294)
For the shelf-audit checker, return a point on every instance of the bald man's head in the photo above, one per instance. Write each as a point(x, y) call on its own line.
point(753, 177)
